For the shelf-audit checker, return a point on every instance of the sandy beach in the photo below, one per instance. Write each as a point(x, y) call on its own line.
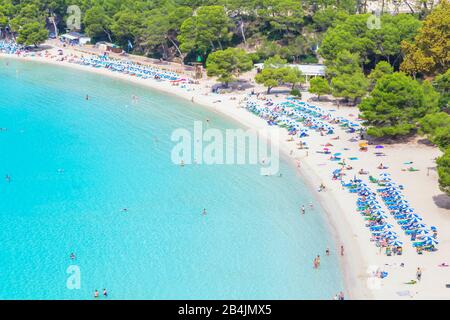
point(361, 255)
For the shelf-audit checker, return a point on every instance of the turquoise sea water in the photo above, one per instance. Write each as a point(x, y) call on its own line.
point(75, 164)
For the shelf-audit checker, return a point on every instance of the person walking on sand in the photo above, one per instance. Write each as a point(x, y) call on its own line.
point(419, 274)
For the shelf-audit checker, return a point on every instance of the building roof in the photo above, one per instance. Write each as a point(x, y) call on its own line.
point(69, 36)
point(306, 69)
point(310, 69)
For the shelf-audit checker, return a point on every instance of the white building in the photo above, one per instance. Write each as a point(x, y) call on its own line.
point(309, 70)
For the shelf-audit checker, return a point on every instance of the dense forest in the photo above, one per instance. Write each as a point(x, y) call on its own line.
point(395, 70)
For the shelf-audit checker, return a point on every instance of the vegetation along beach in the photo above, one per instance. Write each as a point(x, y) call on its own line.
point(119, 174)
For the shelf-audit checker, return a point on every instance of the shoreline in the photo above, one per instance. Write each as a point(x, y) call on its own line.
point(336, 206)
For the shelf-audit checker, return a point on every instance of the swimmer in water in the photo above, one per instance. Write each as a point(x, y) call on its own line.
point(72, 256)
point(105, 293)
point(87, 97)
point(96, 293)
point(125, 209)
point(182, 163)
point(204, 212)
point(327, 252)
point(303, 209)
point(8, 178)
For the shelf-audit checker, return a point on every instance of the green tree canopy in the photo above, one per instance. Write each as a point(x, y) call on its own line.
point(208, 28)
point(350, 86)
point(225, 64)
point(430, 51)
point(381, 69)
point(442, 85)
point(443, 167)
point(436, 126)
point(97, 22)
point(32, 33)
point(371, 44)
point(319, 86)
point(395, 105)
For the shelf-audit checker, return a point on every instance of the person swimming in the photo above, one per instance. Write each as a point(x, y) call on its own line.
point(96, 293)
point(87, 97)
point(204, 213)
point(105, 293)
point(72, 256)
point(8, 178)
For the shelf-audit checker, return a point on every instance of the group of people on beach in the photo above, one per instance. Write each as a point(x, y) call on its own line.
point(339, 296)
point(96, 294)
point(316, 261)
point(303, 210)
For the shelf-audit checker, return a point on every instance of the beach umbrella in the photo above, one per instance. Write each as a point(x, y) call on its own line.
point(385, 174)
point(397, 243)
point(392, 237)
point(423, 231)
point(431, 242)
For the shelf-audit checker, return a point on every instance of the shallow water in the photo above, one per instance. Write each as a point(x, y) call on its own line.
point(75, 164)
